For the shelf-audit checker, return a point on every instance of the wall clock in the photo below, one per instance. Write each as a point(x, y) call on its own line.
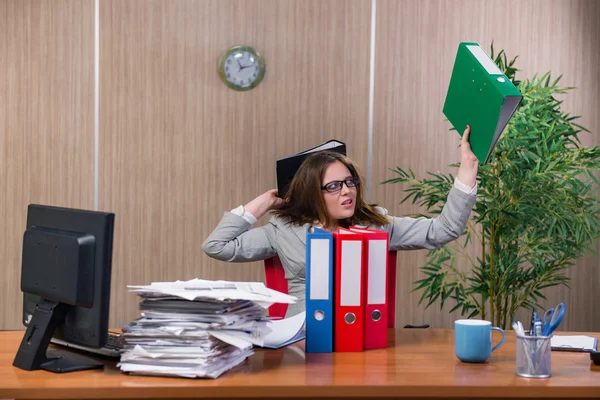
point(241, 67)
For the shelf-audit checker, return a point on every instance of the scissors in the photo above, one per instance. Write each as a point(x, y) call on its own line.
point(552, 318)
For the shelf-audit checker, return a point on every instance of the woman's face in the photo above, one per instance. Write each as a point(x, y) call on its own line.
point(340, 204)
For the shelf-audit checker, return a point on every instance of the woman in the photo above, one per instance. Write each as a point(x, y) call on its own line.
point(327, 192)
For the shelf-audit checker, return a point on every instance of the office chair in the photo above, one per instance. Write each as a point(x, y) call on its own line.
point(275, 279)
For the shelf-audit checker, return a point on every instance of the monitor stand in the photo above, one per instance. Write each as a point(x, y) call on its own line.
point(32, 352)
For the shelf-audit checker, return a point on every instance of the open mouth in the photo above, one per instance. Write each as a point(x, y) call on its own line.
point(347, 203)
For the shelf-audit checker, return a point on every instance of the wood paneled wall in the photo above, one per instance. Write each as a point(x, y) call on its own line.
point(46, 122)
point(177, 148)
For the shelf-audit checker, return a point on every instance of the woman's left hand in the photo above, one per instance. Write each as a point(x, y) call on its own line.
point(469, 164)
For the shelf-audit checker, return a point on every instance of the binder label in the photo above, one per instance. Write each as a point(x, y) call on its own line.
point(376, 282)
point(485, 60)
point(319, 269)
point(351, 273)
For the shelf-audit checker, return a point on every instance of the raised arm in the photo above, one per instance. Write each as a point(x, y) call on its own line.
point(264, 203)
point(429, 233)
point(233, 240)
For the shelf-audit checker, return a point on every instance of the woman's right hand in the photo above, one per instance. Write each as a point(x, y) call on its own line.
point(264, 203)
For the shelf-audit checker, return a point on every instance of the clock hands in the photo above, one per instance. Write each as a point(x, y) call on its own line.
point(243, 67)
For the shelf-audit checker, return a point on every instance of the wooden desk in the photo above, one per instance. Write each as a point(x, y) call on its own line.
point(418, 363)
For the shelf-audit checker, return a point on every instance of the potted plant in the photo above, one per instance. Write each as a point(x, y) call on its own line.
point(536, 211)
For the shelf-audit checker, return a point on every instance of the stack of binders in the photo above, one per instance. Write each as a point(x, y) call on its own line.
point(346, 290)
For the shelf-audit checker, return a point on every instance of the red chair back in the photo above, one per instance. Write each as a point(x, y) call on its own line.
point(275, 279)
point(391, 288)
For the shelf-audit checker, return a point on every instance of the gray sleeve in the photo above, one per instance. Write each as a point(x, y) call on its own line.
point(430, 233)
point(232, 240)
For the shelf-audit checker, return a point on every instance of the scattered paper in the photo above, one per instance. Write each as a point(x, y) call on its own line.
point(218, 290)
point(285, 331)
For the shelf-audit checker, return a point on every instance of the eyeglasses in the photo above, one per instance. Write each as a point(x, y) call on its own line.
point(336, 186)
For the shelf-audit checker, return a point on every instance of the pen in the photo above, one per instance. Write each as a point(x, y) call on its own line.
point(534, 317)
point(537, 327)
point(518, 328)
point(521, 329)
point(515, 327)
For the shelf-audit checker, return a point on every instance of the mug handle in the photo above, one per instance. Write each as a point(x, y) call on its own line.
point(494, 328)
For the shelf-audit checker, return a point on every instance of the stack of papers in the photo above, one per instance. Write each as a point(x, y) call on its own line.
point(200, 329)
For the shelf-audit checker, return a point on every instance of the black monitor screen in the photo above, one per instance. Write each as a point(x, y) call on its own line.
point(67, 257)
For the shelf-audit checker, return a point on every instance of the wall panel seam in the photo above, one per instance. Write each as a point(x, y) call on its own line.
point(371, 98)
point(96, 102)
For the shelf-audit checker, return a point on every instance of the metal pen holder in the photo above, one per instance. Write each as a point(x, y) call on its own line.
point(534, 355)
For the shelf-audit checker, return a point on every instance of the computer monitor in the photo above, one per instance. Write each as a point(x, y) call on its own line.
point(65, 280)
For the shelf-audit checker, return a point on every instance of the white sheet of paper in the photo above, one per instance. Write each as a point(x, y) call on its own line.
point(213, 371)
point(285, 331)
point(199, 288)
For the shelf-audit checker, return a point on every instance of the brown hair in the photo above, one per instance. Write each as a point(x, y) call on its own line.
point(304, 199)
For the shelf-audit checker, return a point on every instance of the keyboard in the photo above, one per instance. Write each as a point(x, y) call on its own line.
point(112, 348)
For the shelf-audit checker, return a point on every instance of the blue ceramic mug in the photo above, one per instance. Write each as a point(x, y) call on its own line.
point(473, 340)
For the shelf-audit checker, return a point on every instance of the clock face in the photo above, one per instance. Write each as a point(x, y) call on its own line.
point(241, 68)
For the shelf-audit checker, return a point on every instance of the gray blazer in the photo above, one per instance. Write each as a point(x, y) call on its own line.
point(233, 241)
